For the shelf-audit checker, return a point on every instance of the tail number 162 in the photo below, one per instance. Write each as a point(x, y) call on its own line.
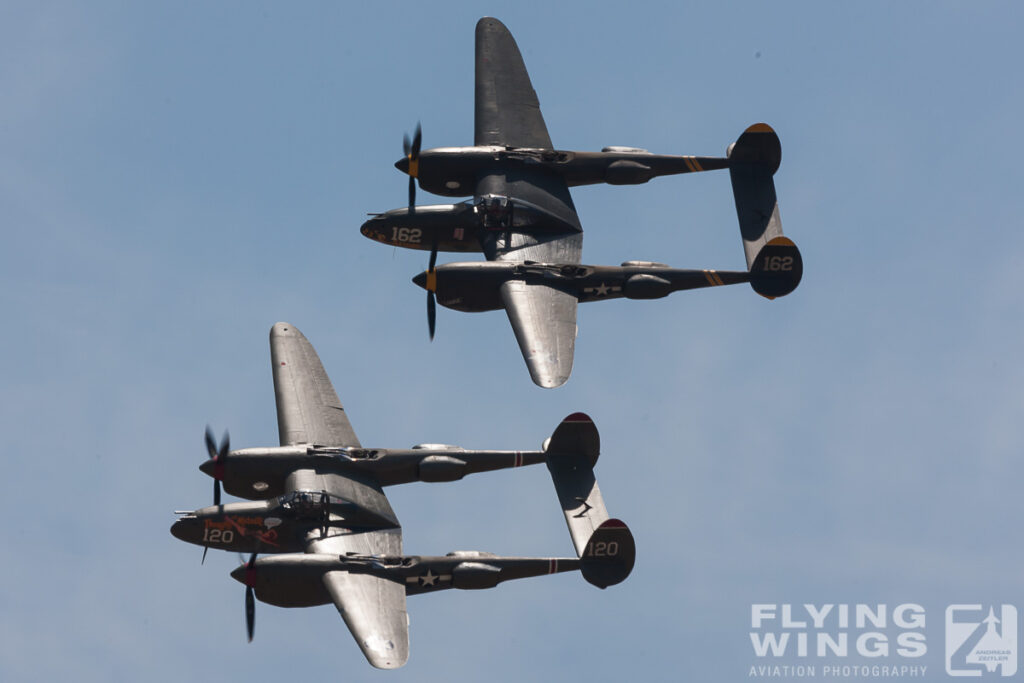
point(411, 235)
point(778, 263)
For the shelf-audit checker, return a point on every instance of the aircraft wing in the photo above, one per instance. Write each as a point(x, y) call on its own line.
point(544, 321)
point(543, 318)
point(508, 115)
point(507, 111)
point(308, 409)
point(373, 607)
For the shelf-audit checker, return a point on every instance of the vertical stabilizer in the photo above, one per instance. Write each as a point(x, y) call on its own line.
point(772, 258)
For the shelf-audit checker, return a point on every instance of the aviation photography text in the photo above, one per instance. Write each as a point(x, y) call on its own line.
point(838, 640)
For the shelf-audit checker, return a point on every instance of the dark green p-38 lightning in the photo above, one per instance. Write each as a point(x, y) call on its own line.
point(320, 530)
point(523, 219)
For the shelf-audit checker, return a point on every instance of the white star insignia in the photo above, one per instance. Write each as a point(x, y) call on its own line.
point(602, 289)
point(428, 579)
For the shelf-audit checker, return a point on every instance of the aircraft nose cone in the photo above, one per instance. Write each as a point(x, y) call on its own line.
point(238, 573)
point(421, 280)
point(207, 467)
point(186, 529)
point(403, 165)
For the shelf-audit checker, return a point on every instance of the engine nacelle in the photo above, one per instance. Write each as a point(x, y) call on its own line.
point(472, 286)
point(475, 575)
point(290, 580)
point(437, 468)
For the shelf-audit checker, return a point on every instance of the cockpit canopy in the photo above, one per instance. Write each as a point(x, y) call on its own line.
point(304, 503)
point(495, 210)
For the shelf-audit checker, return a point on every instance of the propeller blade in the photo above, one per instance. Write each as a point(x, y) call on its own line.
point(250, 612)
point(412, 153)
point(205, 548)
point(416, 140)
point(431, 288)
point(250, 597)
point(211, 446)
point(431, 314)
point(219, 457)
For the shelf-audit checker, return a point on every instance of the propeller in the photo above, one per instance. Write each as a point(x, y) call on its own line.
point(411, 166)
point(219, 457)
point(432, 288)
point(250, 597)
point(412, 155)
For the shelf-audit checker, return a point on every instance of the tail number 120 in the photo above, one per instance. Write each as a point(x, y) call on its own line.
point(218, 535)
point(603, 549)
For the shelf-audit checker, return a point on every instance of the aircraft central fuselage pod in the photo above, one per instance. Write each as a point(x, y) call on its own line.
point(280, 525)
point(458, 227)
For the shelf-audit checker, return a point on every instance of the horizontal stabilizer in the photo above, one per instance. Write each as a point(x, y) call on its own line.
point(753, 160)
point(609, 556)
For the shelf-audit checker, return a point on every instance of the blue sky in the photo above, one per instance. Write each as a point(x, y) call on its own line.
point(176, 177)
